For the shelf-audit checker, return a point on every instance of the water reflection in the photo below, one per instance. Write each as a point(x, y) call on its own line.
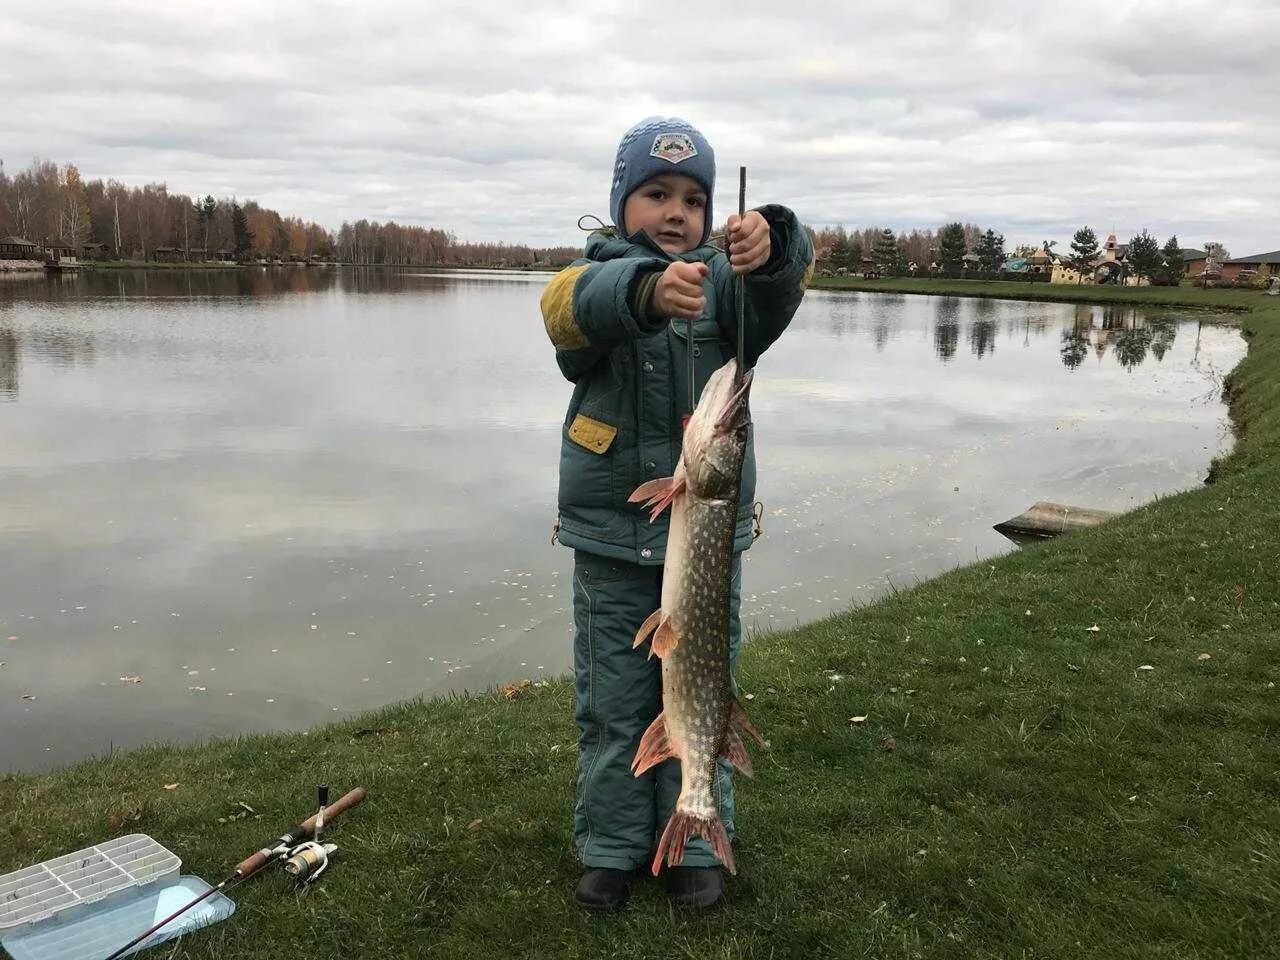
point(9, 363)
point(207, 474)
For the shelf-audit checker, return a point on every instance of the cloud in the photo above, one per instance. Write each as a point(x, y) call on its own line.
point(499, 122)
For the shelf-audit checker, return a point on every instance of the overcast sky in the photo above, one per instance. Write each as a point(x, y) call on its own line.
point(499, 121)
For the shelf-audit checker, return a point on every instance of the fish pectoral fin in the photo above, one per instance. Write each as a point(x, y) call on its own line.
point(659, 493)
point(655, 746)
point(646, 629)
point(738, 718)
point(650, 490)
point(735, 751)
point(665, 638)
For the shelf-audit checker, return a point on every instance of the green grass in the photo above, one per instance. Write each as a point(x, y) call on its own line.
point(1045, 797)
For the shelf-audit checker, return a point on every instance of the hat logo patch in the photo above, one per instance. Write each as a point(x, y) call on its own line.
point(673, 147)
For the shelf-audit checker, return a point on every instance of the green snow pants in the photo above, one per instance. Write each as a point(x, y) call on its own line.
point(618, 817)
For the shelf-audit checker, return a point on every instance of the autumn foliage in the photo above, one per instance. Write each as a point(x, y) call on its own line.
point(46, 202)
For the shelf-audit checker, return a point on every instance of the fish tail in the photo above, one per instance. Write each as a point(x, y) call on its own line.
point(680, 828)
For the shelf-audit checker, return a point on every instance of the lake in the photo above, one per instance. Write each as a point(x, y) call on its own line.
point(260, 499)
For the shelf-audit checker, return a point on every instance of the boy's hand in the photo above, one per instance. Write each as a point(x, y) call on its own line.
point(749, 244)
point(679, 291)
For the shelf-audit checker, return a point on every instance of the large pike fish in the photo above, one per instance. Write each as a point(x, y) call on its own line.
point(701, 718)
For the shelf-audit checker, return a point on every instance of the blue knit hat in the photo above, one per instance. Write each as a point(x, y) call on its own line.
point(658, 145)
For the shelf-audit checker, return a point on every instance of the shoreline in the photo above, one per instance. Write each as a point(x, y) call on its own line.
point(1022, 782)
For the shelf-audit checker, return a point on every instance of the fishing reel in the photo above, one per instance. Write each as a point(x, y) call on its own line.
point(307, 860)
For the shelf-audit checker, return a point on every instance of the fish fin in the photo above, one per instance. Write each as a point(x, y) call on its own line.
point(680, 828)
point(655, 746)
point(738, 717)
point(659, 493)
point(665, 638)
point(650, 624)
point(651, 490)
point(735, 751)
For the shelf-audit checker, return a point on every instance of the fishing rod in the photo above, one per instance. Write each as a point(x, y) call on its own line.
point(739, 299)
point(305, 857)
point(740, 293)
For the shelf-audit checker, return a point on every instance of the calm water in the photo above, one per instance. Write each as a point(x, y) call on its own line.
point(239, 501)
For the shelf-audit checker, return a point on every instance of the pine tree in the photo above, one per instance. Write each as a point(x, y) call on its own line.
point(951, 249)
point(1085, 247)
point(840, 252)
point(885, 252)
point(898, 266)
point(205, 209)
point(855, 255)
point(240, 229)
point(1171, 254)
point(991, 251)
point(1144, 255)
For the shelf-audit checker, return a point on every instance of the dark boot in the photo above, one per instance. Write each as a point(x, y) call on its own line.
point(602, 888)
point(696, 887)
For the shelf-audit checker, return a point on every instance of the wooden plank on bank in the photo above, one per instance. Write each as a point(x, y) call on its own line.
point(1044, 519)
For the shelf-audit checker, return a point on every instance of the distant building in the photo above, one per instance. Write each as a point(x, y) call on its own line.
point(62, 253)
point(93, 251)
point(168, 254)
point(1261, 265)
point(16, 248)
point(1193, 262)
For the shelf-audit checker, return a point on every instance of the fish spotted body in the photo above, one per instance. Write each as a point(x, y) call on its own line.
point(701, 719)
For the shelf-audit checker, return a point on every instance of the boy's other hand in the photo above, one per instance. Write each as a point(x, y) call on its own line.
point(679, 291)
point(749, 244)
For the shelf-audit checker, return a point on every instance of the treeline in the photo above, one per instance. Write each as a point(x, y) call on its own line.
point(46, 203)
point(919, 252)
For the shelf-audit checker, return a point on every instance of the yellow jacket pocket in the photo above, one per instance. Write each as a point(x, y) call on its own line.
point(592, 435)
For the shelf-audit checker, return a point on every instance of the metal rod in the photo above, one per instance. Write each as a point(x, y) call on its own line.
point(177, 913)
point(693, 378)
point(740, 291)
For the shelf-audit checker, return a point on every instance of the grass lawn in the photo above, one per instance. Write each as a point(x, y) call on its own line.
point(1023, 786)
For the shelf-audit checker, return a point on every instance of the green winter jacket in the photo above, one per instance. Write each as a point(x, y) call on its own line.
point(630, 375)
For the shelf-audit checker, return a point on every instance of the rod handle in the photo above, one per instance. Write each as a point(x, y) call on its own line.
point(251, 864)
point(345, 802)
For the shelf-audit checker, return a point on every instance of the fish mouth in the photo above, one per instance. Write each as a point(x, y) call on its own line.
point(736, 414)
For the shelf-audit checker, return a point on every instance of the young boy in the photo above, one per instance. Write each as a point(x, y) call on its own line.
point(619, 319)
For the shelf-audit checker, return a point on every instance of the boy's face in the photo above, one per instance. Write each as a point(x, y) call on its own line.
point(671, 208)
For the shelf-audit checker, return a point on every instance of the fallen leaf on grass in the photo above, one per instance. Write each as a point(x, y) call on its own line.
point(889, 744)
point(171, 786)
point(1205, 656)
point(513, 690)
point(857, 719)
point(748, 696)
point(117, 820)
point(475, 824)
point(1146, 666)
point(1094, 629)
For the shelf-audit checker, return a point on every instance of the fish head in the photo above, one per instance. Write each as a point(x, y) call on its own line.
point(715, 440)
